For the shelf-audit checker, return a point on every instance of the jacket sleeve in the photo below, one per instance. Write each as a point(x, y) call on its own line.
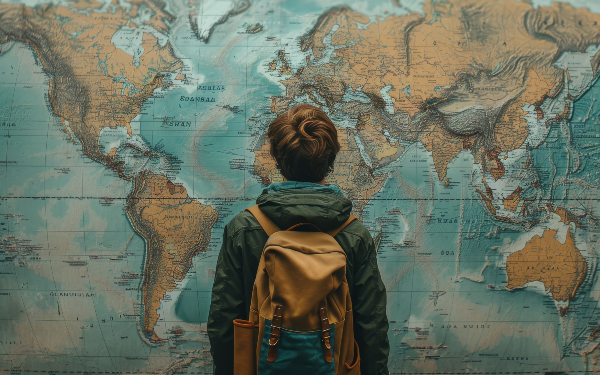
point(370, 319)
point(227, 304)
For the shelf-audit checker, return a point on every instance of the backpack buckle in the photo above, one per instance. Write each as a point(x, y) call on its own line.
point(273, 336)
point(275, 333)
point(325, 333)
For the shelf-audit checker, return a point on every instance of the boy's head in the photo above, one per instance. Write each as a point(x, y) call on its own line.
point(304, 143)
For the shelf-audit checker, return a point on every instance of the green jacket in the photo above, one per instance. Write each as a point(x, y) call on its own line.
point(243, 242)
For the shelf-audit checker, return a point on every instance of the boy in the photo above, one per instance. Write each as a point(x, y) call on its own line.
point(304, 145)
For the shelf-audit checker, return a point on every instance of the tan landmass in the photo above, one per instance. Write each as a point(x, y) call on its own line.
point(488, 202)
point(376, 145)
point(273, 65)
point(264, 165)
point(83, 64)
point(442, 66)
point(591, 358)
point(285, 67)
point(525, 208)
point(113, 152)
point(160, 19)
point(193, 18)
point(511, 128)
point(488, 189)
point(567, 216)
point(314, 39)
point(512, 201)
point(560, 267)
point(352, 175)
point(495, 166)
point(442, 144)
point(240, 7)
point(86, 4)
point(254, 29)
point(175, 227)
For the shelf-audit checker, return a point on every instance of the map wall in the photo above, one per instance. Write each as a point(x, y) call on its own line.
point(131, 132)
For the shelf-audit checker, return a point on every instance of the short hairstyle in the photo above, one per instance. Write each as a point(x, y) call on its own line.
point(304, 143)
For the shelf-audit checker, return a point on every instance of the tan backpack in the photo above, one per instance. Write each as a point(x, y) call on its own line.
point(301, 313)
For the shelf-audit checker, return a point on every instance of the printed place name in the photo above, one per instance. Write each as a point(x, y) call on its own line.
point(180, 124)
point(204, 99)
point(72, 294)
point(211, 87)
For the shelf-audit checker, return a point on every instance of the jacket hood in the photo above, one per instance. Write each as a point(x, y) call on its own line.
point(286, 208)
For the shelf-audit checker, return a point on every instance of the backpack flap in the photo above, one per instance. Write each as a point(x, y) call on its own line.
point(303, 270)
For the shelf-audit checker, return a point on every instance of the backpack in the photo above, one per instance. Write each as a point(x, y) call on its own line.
point(300, 313)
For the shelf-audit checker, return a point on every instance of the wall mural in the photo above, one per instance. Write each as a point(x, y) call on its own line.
point(131, 132)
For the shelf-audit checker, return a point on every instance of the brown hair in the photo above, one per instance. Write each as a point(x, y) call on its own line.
point(304, 143)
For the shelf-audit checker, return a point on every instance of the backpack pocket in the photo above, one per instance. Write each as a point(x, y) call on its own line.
point(299, 352)
point(244, 347)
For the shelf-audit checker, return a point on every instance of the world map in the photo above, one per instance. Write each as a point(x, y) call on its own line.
point(133, 131)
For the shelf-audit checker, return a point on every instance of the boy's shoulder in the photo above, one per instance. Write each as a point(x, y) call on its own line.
point(357, 229)
point(240, 222)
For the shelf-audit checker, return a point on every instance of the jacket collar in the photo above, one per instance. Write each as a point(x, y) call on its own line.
point(285, 185)
point(322, 207)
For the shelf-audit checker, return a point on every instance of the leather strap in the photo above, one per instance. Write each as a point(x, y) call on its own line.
point(337, 230)
point(267, 224)
point(275, 333)
point(325, 332)
point(301, 224)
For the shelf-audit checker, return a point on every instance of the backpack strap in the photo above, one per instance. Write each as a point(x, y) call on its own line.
point(275, 333)
point(267, 224)
point(325, 332)
point(337, 230)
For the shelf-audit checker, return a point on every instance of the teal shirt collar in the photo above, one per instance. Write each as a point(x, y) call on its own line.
point(278, 186)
